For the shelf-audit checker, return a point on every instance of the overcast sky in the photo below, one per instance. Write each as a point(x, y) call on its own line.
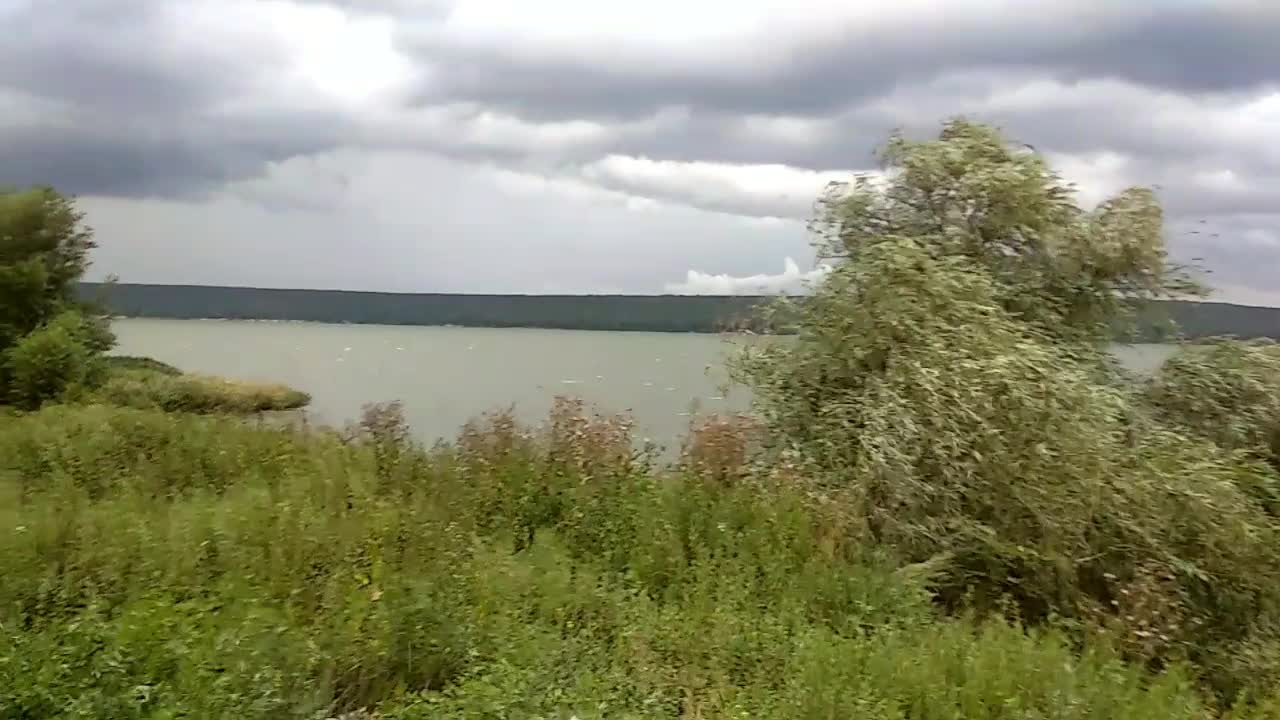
point(588, 146)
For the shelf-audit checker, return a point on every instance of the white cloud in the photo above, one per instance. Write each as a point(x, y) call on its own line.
point(313, 56)
point(1097, 176)
point(750, 190)
point(790, 281)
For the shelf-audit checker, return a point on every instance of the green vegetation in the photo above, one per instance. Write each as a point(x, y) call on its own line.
point(52, 343)
point(129, 362)
point(49, 343)
point(149, 388)
point(948, 504)
point(166, 565)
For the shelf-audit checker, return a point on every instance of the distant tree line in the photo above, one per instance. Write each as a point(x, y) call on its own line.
point(654, 313)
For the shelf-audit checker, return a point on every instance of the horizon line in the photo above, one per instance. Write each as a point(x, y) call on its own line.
point(542, 295)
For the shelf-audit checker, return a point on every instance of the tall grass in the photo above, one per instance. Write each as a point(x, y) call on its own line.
point(161, 565)
point(137, 384)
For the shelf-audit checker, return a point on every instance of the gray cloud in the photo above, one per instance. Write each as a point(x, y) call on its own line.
point(228, 114)
point(1196, 48)
point(112, 57)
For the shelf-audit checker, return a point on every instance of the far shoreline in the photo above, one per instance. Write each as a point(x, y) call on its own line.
point(701, 314)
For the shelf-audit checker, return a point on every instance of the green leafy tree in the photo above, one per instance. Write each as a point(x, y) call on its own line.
point(1075, 273)
point(1226, 390)
point(44, 252)
point(946, 384)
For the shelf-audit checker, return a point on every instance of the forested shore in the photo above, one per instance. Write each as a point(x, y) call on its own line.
point(653, 313)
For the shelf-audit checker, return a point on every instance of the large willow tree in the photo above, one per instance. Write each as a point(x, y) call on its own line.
point(1074, 273)
point(945, 383)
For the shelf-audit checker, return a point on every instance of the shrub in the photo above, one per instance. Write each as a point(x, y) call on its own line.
point(50, 362)
point(722, 447)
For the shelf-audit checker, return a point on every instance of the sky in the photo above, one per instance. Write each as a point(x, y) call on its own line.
point(578, 146)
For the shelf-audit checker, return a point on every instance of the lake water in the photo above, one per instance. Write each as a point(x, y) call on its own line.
point(446, 375)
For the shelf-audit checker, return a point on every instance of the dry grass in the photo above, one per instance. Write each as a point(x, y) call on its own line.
point(196, 393)
point(721, 447)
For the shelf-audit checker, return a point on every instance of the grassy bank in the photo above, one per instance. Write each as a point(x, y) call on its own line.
point(146, 383)
point(166, 565)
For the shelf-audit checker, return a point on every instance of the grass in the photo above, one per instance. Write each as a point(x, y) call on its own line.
point(133, 362)
point(144, 383)
point(163, 565)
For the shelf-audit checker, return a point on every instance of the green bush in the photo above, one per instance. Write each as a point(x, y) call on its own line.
point(50, 362)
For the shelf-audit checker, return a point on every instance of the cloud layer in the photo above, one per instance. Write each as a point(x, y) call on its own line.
point(568, 146)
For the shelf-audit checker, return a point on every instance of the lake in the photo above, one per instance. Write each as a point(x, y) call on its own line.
point(448, 375)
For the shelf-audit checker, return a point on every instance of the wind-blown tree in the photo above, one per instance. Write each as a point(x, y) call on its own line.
point(1227, 391)
point(44, 252)
point(1075, 273)
point(945, 383)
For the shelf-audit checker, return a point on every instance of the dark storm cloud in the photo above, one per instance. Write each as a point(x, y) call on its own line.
point(1193, 49)
point(134, 161)
point(78, 162)
point(135, 113)
point(111, 55)
point(113, 60)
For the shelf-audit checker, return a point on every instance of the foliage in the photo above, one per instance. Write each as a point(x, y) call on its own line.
point(950, 505)
point(1074, 274)
point(1227, 391)
point(51, 361)
point(166, 565)
point(44, 250)
point(159, 388)
point(949, 387)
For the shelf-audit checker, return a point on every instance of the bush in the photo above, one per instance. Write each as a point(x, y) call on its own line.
point(50, 362)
